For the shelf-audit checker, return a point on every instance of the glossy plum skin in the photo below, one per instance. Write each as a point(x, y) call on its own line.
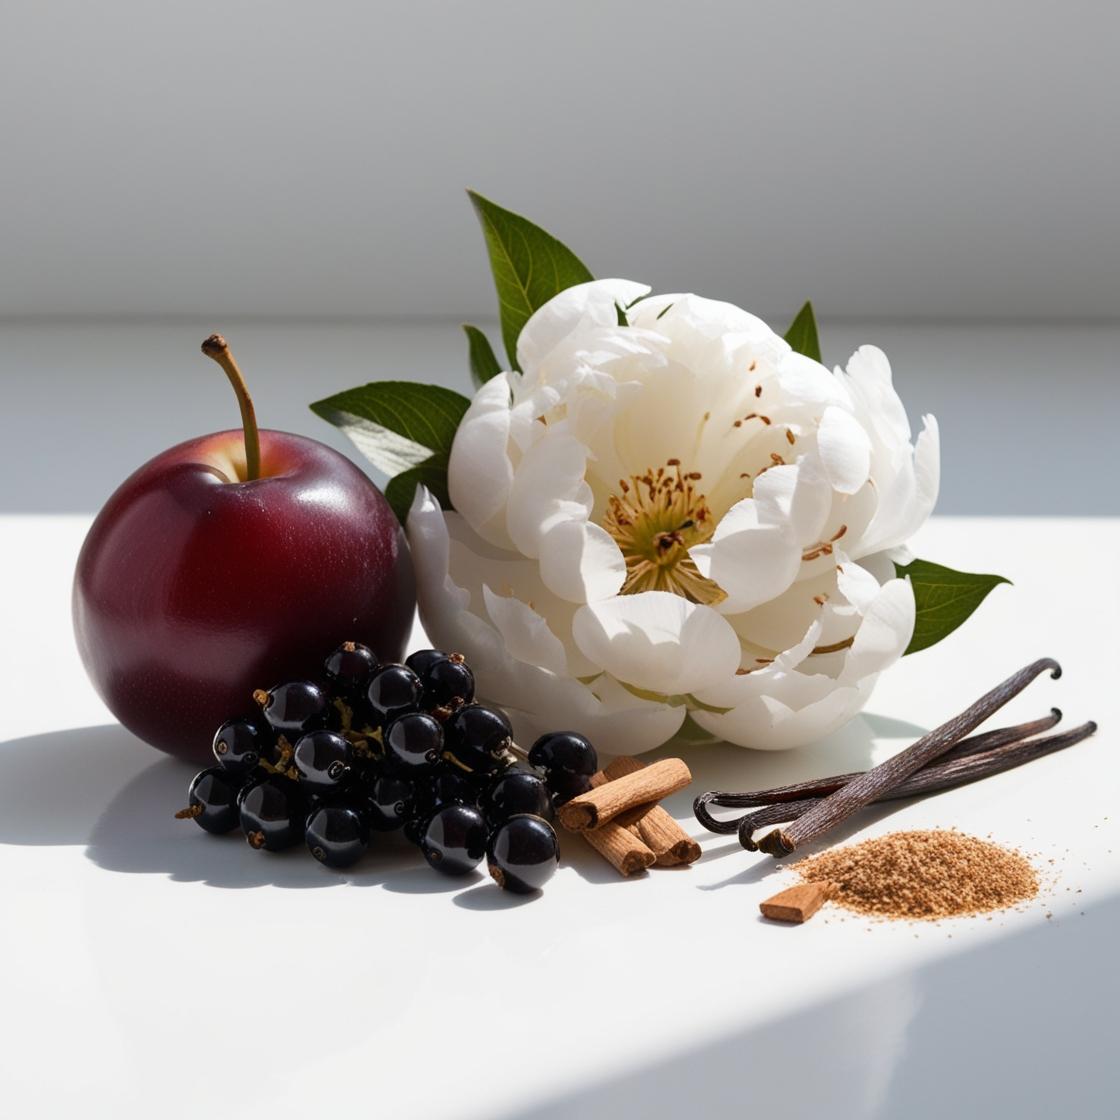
point(193, 588)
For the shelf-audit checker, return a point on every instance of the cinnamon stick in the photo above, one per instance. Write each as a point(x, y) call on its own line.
point(622, 848)
point(796, 904)
point(837, 807)
point(635, 791)
point(657, 828)
point(624, 851)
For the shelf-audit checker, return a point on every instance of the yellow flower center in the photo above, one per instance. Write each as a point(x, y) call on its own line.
point(655, 519)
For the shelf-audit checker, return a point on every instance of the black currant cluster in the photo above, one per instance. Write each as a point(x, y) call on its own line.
point(373, 748)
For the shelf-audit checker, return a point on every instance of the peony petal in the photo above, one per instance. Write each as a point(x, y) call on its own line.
point(480, 451)
point(769, 724)
point(844, 449)
point(800, 379)
point(856, 583)
point(752, 561)
point(583, 306)
point(884, 634)
point(580, 562)
point(907, 495)
point(657, 641)
point(798, 494)
point(526, 634)
point(869, 382)
point(429, 546)
point(612, 717)
point(548, 487)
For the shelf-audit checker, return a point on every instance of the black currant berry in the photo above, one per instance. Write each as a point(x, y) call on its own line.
point(295, 708)
point(324, 762)
point(212, 800)
point(564, 786)
point(350, 668)
point(448, 683)
point(336, 835)
point(413, 741)
point(516, 791)
point(423, 659)
point(272, 814)
point(522, 854)
point(389, 804)
point(477, 737)
point(393, 691)
point(240, 744)
point(564, 751)
point(454, 840)
point(447, 786)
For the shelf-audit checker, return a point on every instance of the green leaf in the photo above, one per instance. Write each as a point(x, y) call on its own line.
point(431, 472)
point(396, 425)
point(484, 364)
point(802, 334)
point(529, 266)
point(944, 598)
point(622, 320)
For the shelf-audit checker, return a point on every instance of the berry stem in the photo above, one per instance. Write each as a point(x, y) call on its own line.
point(217, 348)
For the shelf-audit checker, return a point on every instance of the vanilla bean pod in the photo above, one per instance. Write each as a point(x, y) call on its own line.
point(816, 788)
point(930, 779)
point(838, 806)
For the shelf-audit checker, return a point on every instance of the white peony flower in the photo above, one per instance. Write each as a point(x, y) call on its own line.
point(678, 519)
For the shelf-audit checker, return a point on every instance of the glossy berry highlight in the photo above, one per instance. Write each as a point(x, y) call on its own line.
point(477, 738)
point(393, 691)
point(324, 761)
point(212, 800)
point(349, 670)
point(454, 840)
point(522, 855)
point(413, 741)
point(240, 744)
point(514, 792)
point(272, 815)
point(337, 835)
point(295, 708)
point(564, 751)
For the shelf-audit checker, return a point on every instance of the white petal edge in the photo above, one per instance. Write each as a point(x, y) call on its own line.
point(657, 641)
point(580, 562)
point(845, 450)
point(479, 471)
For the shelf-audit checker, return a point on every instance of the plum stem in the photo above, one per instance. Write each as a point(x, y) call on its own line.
point(217, 348)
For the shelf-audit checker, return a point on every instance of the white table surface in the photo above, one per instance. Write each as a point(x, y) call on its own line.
point(150, 970)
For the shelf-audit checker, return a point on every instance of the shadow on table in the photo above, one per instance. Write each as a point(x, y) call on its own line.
point(98, 786)
point(959, 1037)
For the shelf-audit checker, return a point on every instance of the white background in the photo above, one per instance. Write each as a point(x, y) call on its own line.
point(939, 180)
point(284, 158)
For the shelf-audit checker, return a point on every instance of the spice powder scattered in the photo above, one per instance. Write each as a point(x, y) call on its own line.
point(923, 875)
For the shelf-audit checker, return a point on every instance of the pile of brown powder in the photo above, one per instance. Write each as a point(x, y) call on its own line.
point(927, 874)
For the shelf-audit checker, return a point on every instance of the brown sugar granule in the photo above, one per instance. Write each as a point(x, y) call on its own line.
point(923, 875)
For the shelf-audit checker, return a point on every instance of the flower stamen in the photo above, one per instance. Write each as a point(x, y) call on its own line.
point(655, 519)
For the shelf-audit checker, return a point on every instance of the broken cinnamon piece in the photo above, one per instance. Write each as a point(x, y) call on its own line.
point(672, 846)
point(657, 828)
point(642, 788)
point(620, 846)
point(797, 904)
